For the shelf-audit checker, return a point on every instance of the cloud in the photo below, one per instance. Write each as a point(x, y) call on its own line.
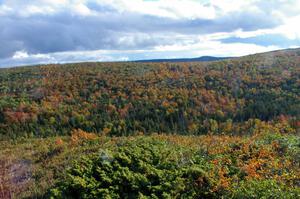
point(21, 58)
point(212, 48)
point(290, 28)
point(20, 55)
point(265, 40)
point(64, 29)
point(176, 9)
point(4, 10)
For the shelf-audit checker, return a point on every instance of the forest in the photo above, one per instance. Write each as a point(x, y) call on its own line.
point(120, 99)
point(219, 129)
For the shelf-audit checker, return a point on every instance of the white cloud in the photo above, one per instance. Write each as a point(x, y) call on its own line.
point(216, 48)
point(82, 10)
point(164, 8)
point(212, 48)
point(233, 5)
point(36, 10)
point(56, 2)
point(177, 9)
point(23, 55)
point(21, 58)
point(45, 7)
point(123, 58)
point(4, 9)
point(20, 55)
point(291, 28)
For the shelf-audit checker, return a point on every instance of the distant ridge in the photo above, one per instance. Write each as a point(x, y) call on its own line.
point(200, 59)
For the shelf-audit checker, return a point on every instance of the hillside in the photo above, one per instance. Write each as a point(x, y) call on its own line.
point(221, 129)
point(128, 98)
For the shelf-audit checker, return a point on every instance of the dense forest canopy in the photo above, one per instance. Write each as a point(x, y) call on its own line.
point(129, 98)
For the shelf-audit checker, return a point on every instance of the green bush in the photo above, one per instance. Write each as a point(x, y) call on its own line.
point(148, 167)
point(143, 169)
point(264, 189)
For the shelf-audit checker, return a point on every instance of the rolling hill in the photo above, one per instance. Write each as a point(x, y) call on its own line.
point(152, 129)
point(128, 97)
point(197, 59)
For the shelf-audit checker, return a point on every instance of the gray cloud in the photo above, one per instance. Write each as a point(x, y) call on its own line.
point(265, 40)
point(64, 32)
point(109, 29)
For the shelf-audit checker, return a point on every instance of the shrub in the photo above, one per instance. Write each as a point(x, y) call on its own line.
point(264, 189)
point(145, 168)
point(78, 135)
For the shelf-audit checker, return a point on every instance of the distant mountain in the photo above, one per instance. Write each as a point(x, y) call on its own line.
point(197, 59)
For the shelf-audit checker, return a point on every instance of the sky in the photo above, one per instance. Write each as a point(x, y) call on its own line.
point(60, 31)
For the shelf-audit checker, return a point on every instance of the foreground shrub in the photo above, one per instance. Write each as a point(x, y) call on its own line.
point(263, 166)
point(146, 168)
point(264, 189)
